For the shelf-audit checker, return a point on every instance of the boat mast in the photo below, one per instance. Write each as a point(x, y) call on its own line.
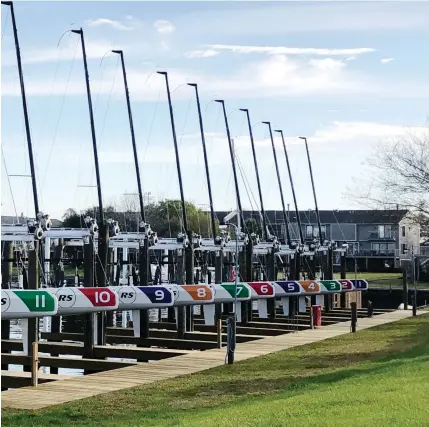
point(24, 105)
point(203, 141)
point(285, 217)
point(292, 187)
point(264, 222)
point(133, 138)
point(176, 149)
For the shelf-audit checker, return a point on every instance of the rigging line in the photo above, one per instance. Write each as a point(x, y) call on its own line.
point(152, 123)
point(180, 141)
point(335, 216)
point(5, 22)
point(100, 137)
point(246, 181)
point(59, 118)
point(8, 179)
point(243, 177)
point(45, 116)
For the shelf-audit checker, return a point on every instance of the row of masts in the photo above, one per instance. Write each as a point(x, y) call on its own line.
point(103, 226)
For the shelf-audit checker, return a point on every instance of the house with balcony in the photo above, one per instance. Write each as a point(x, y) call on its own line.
point(378, 240)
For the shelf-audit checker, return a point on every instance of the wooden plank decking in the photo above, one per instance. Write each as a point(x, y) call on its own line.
point(63, 391)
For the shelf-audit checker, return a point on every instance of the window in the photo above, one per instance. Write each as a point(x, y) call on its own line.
point(312, 232)
point(403, 248)
point(384, 231)
point(382, 249)
point(403, 231)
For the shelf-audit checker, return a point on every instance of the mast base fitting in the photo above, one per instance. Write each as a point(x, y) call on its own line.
point(91, 224)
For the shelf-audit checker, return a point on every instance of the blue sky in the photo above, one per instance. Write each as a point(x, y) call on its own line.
point(346, 75)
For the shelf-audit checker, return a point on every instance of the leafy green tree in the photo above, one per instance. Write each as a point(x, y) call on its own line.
point(164, 217)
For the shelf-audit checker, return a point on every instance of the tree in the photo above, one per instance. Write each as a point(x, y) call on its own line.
point(399, 176)
point(253, 226)
point(164, 217)
point(71, 219)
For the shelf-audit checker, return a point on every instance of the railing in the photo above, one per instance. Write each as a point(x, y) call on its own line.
point(371, 253)
point(376, 236)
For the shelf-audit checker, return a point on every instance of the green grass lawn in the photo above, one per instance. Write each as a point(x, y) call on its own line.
point(377, 377)
point(384, 280)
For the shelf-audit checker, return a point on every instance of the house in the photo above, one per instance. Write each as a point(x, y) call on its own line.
point(377, 239)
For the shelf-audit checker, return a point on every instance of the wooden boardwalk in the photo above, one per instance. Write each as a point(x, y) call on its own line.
point(80, 387)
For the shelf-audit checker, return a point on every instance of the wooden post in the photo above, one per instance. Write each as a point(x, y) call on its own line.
point(343, 275)
point(249, 278)
point(329, 275)
point(181, 324)
point(189, 276)
point(271, 265)
point(242, 268)
point(110, 315)
point(312, 267)
point(144, 271)
point(59, 278)
point(218, 278)
point(370, 309)
point(88, 279)
point(405, 287)
point(35, 364)
point(6, 274)
point(33, 283)
point(171, 279)
point(293, 301)
point(103, 237)
point(414, 302)
point(219, 332)
point(353, 307)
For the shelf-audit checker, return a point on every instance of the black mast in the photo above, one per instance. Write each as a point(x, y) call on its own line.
point(234, 171)
point(292, 187)
point(133, 138)
point(24, 105)
point(285, 217)
point(91, 119)
point(264, 223)
point(179, 173)
point(203, 141)
point(314, 190)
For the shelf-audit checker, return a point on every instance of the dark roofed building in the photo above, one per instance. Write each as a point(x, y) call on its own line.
point(380, 237)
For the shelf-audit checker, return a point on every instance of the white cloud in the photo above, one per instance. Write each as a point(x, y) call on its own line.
point(201, 53)
point(343, 132)
point(386, 60)
point(164, 27)
point(274, 76)
point(117, 25)
point(351, 58)
point(283, 50)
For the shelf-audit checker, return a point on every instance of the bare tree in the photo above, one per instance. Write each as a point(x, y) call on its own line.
point(398, 176)
point(130, 202)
